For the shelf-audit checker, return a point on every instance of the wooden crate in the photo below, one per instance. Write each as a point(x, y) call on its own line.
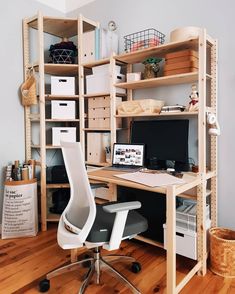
point(180, 71)
point(181, 53)
point(179, 65)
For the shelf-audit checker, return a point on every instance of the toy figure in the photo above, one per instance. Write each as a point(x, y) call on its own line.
point(194, 96)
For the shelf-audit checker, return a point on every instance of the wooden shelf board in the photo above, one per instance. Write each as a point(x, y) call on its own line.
point(158, 51)
point(61, 120)
point(97, 129)
point(161, 81)
point(59, 27)
point(47, 147)
point(61, 97)
point(97, 163)
point(96, 63)
point(102, 95)
point(57, 186)
point(184, 113)
point(61, 69)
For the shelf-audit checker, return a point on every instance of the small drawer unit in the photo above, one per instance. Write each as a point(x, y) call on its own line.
point(63, 109)
point(95, 102)
point(62, 85)
point(63, 134)
point(99, 112)
point(99, 123)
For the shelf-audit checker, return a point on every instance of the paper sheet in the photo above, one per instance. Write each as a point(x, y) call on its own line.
point(151, 179)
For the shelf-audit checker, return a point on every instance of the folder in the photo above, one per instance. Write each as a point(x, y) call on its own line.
point(88, 47)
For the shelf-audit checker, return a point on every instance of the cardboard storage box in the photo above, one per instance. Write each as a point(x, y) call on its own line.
point(96, 143)
point(102, 193)
point(63, 134)
point(100, 83)
point(62, 109)
point(62, 85)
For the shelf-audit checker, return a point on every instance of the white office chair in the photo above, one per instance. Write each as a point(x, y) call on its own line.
point(85, 223)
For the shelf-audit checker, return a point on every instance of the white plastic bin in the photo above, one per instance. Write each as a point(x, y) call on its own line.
point(62, 109)
point(62, 85)
point(63, 134)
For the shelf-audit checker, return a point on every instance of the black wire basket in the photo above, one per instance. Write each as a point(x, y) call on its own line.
point(63, 56)
point(143, 39)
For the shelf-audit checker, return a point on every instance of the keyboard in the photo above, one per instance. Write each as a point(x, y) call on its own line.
point(123, 168)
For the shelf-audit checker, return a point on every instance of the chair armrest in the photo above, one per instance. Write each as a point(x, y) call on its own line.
point(122, 206)
point(121, 210)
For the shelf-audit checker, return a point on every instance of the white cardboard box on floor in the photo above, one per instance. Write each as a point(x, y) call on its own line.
point(62, 109)
point(63, 134)
point(62, 85)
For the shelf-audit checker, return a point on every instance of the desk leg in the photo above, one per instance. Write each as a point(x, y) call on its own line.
point(171, 240)
point(113, 192)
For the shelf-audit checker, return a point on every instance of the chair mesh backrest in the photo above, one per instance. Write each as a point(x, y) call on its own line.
point(81, 209)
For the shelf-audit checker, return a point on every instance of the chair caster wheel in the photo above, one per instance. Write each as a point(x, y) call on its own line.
point(44, 285)
point(135, 267)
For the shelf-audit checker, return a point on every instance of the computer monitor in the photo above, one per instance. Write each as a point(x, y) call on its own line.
point(166, 142)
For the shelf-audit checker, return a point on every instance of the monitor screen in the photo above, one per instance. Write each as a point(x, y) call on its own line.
point(165, 140)
point(128, 154)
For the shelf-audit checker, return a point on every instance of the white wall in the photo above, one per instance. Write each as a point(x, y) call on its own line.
point(11, 111)
point(130, 16)
point(218, 18)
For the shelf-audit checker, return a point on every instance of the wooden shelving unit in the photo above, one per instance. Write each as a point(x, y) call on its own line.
point(61, 28)
point(206, 78)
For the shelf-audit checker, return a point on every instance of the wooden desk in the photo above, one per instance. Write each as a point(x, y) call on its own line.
point(170, 192)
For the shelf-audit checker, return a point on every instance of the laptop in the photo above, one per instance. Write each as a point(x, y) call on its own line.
point(127, 157)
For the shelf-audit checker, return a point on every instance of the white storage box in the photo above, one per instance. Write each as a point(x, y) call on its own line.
point(104, 69)
point(186, 241)
point(134, 76)
point(101, 83)
point(63, 134)
point(62, 85)
point(62, 109)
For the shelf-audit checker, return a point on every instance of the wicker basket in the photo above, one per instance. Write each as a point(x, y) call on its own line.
point(222, 252)
point(28, 91)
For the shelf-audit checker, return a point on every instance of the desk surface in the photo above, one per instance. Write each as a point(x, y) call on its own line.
point(191, 180)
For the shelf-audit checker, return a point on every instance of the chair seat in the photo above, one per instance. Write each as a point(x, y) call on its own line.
point(103, 225)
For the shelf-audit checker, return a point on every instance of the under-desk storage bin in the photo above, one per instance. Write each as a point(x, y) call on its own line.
point(186, 241)
point(63, 109)
point(63, 134)
point(20, 210)
point(62, 85)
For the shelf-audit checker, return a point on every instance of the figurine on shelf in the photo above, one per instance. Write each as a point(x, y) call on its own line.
point(194, 96)
point(152, 67)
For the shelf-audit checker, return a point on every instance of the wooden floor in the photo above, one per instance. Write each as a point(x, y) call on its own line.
point(23, 262)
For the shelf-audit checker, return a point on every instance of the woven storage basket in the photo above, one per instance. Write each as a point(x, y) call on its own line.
point(222, 252)
point(28, 91)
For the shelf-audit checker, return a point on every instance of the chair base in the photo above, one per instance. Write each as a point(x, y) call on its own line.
point(97, 263)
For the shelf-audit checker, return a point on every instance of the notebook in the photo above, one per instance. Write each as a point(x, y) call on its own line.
point(127, 157)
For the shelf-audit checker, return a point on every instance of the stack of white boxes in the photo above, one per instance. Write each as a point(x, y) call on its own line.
point(186, 228)
point(99, 81)
point(63, 109)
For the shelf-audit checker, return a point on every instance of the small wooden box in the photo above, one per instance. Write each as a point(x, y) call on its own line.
point(100, 112)
point(181, 53)
point(99, 102)
point(102, 123)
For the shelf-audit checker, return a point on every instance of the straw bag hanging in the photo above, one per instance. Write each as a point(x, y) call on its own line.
point(28, 89)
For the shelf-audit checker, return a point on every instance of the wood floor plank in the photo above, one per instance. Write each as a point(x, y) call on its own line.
point(24, 261)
